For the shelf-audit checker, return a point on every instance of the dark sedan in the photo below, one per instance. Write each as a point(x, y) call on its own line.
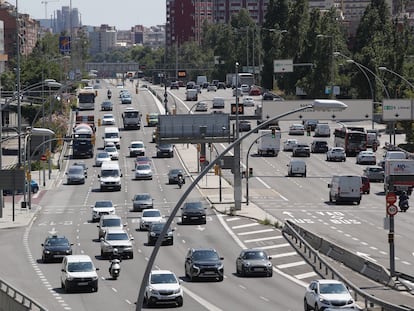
point(154, 232)
point(107, 106)
point(55, 248)
point(173, 175)
point(193, 212)
point(165, 150)
point(254, 262)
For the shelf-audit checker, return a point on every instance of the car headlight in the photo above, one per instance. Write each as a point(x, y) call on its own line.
point(220, 266)
point(47, 252)
point(246, 264)
point(68, 251)
point(324, 301)
point(170, 233)
point(269, 264)
point(152, 234)
point(177, 291)
point(94, 278)
point(69, 278)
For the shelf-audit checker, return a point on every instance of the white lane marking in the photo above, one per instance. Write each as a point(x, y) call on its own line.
point(201, 301)
point(284, 255)
point(240, 243)
point(274, 246)
point(255, 232)
point(263, 239)
point(232, 219)
point(305, 275)
point(246, 225)
point(291, 264)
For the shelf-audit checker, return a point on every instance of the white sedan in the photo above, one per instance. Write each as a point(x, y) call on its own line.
point(150, 216)
point(366, 157)
point(112, 151)
point(336, 154)
point(143, 171)
point(248, 102)
point(108, 119)
point(296, 129)
point(289, 144)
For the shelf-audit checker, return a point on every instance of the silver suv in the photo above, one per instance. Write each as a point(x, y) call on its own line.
point(109, 221)
point(115, 238)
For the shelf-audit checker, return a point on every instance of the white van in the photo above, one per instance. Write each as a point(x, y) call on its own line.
point(345, 188)
point(78, 271)
point(297, 167)
point(218, 103)
point(191, 94)
point(322, 130)
point(111, 135)
point(110, 176)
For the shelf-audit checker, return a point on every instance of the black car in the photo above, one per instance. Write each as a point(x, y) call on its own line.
point(271, 96)
point(55, 248)
point(165, 150)
point(319, 146)
point(173, 175)
point(221, 85)
point(193, 212)
point(203, 263)
point(107, 106)
point(154, 232)
point(244, 126)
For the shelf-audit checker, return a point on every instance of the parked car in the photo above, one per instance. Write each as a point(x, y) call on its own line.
point(336, 154)
point(254, 262)
point(366, 157)
point(55, 247)
point(193, 212)
point(142, 201)
point(374, 173)
point(75, 175)
point(163, 287)
point(319, 146)
point(301, 150)
point(323, 294)
point(203, 263)
point(154, 232)
point(165, 150)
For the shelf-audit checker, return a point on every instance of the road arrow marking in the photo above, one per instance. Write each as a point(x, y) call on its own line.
point(366, 256)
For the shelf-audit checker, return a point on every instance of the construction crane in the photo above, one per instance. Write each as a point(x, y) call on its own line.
point(45, 2)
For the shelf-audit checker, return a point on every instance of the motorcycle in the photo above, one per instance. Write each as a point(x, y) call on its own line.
point(109, 94)
point(180, 182)
point(115, 268)
point(404, 205)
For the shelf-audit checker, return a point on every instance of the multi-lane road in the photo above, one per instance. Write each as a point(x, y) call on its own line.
point(66, 209)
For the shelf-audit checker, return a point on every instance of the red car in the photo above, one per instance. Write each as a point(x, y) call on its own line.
point(254, 91)
point(366, 187)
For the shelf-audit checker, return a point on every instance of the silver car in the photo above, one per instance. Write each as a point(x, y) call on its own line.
point(142, 201)
point(102, 157)
point(109, 221)
point(254, 262)
point(374, 173)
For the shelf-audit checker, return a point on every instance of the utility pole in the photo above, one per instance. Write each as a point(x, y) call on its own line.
point(236, 165)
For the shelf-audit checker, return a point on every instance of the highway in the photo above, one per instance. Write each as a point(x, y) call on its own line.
point(66, 209)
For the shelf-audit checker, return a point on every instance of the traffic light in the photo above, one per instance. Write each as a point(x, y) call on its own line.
point(273, 133)
point(250, 171)
point(217, 169)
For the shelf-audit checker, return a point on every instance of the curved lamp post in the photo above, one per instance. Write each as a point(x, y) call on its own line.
point(398, 75)
point(322, 104)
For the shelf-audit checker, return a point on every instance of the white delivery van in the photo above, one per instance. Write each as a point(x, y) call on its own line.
point(111, 135)
point(191, 94)
point(218, 103)
point(110, 176)
point(297, 167)
point(345, 188)
point(322, 130)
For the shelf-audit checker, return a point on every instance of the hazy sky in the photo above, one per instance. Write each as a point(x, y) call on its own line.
point(123, 14)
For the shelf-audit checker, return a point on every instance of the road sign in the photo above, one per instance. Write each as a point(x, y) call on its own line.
point(391, 198)
point(202, 158)
point(392, 210)
point(282, 65)
point(43, 157)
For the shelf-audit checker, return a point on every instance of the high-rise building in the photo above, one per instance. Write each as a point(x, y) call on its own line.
point(102, 39)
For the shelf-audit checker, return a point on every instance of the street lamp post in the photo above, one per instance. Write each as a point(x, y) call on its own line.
point(316, 105)
point(398, 75)
point(236, 166)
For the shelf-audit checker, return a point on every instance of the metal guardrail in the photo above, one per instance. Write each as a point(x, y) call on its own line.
point(314, 258)
point(14, 300)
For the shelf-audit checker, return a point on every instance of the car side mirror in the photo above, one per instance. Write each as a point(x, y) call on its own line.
point(221, 258)
point(42, 244)
point(96, 269)
point(99, 176)
point(97, 226)
point(120, 175)
point(270, 257)
point(329, 185)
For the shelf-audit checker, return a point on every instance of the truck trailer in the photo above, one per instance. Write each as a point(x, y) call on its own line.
point(268, 143)
point(399, 176)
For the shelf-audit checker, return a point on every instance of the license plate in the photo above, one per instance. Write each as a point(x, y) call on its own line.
point(209, 272)
point(58, 256)
point(259, 269)
point(194, 217)
point(82, 283)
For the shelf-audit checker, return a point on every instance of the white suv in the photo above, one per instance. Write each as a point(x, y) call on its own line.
point(104, 207)
point(163, 287)
point(78, 271)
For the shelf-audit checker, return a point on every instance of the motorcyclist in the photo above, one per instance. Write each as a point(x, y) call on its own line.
point(403, 201)
point(116, 259)
point(109, 93)
point(180, 180)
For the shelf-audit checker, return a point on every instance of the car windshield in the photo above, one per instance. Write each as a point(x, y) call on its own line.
point(99, 204)
point(143, 167)
point(254, 255)
point(103, 155)
point(164, 146)
point(176, 172)
point(193, 205)
point(151, 214)
point(115, 222)
point(80, 267)
point(163, 278)
point(205, 255)
point(137, 145)
point(332, 289)
point(57, 242)
point(110, 149)
point(111, 135)
point(76, 170)
point(110, 173)
point(375, 170)
point(117, 236)
point(142, 197)
point(157, 227)
point(108, 117)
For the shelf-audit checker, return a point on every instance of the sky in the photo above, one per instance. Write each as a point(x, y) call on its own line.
point(123, 14)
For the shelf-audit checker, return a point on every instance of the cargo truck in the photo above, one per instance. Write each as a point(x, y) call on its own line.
point(399, 175)
point(131, 119)
point(268, 143)
point(83, 141)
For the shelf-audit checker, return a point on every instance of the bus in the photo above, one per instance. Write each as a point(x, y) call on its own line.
point(86, 99)
point(353, 141)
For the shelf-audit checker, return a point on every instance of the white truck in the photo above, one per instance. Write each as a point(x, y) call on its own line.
point(268, 143)
point(399, 175)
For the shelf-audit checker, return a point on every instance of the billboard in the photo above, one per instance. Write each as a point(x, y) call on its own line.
point(193, 128)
